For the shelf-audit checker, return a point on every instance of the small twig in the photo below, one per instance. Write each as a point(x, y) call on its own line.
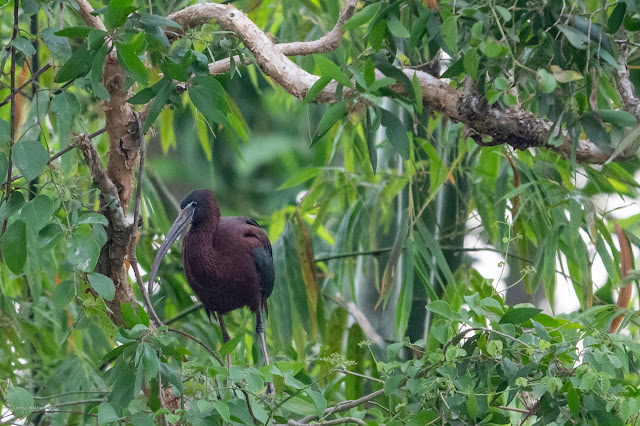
point(517, 410)
point(353, 373)
point(160, 390)
point(200, 342)
point(37, 74)
point(46, 411)
point(85, 401)
point(343, 406)
point(460, 335)
point(133, 259)
point(69, 393)
point(339, 421)
point(184, 313)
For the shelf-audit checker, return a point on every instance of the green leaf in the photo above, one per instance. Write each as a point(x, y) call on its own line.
point(132, 63)
point(396, 133)
point(96, 74)
point(78, 65)
point(471, 60)
point(151, 363)
point(63, 294)
point(397, 28)
point(210, 99)
point(14, 246)
point(362, 16)
point(393, 383)
point(4, 167)
point(102, 285)
point(319, 400)
point(222, 409)
point(24, 46)
point(335, 113)
point(74, 32)
point(519, 315)
point(37, 212)
point(546, 81)
point(20, 401)
point(158, 103)
point(616, 17)
point(58, 46)
point(5, 132)
point(450, 33)
point(107, 413)
point(67, 108)
point(300, 177)
point(472, 404)
point(30, 157)
point(157, 21)
point(117, 13)
point(316, 88)
point(618, 118)
point(441, 308)
point(94, 218)
point(577, 38)
point(10, 207)
point(142, 97)
point(230, 345)
point(82, 252)
point(329, 68)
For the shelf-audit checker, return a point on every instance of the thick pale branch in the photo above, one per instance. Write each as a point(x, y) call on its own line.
point(515, 127)
point(630, 102)
point(326, 43)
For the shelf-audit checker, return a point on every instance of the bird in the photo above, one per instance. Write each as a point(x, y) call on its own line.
point(228, 261)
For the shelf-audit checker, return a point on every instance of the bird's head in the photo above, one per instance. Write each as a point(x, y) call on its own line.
point(199, 208)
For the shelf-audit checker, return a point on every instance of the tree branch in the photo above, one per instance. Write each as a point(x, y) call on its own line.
point(630, 102)
point(342, 406)
point(33, 78)
point(326, 43)
point(516, 127)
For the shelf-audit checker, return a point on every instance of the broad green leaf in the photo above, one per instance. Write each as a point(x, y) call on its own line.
point(30, 157)
point(78, 65)
point(319, 400)
point(158, 103)
point(63, 294)
point(37, 212)
point(12, 206)
point(67, 108)
point(471, 60)
point(19, 401)
point(157, 21)
point(82, 252)
point(335, 113)
point(229, 346)
point(519, 315)
point(74, 32)
point(210, 99)
point(14, 246)
point(616, 17)
point(117, 13)
point(441, 308)
point(397, 28)
point(472, 404)
point(132, 63)
point(95, 218)
point(24, 46)
point(329, 68)
point(167, 134)
point(393, 383)
point(58, 46)
point(618, 118)
point(107, 413)
point(396, 133)
point(578, 39)
point(222, 409)
point(450, 33)
point(151, 363)
point(4, 167)
point(143, 96)
point(102, 285)
point(546, 81)
point(362, 16)
point(5, 132)
point(96, 74)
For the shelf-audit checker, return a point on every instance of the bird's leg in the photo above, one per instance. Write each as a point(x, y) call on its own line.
point(225, 336)
point(260, 332)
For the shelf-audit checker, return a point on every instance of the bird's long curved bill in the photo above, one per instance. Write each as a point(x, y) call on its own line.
point(181, 223)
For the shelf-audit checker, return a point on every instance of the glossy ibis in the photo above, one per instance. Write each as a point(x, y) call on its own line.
point(227, 261)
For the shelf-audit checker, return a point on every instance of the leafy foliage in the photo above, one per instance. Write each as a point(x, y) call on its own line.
point(367, 203)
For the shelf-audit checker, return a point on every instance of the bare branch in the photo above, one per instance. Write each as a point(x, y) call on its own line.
point(630, 102)
point(326, 43)
point(342, 406)
point(85, 10)
point(340, 421)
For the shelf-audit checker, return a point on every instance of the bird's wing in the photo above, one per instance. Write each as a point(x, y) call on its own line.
point(262, 258)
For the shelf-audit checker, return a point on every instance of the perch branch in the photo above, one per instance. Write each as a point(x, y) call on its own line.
point(342, 406)
point(630, 102)
point(339, 421)
point(35, 76)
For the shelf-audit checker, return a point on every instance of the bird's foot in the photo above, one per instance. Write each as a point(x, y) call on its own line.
point(270, 389)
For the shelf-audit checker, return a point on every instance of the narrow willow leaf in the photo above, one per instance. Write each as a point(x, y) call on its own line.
point(389, 276)
point(362, 16)
point(317, 87)
point(132, 63)
point(304, 251)
point(335, 113)
point(96, 74)
point(330, 69)
point(396, 133)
